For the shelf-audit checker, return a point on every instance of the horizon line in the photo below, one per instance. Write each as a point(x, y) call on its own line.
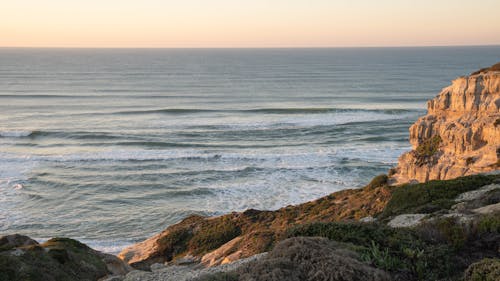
point(261, 47)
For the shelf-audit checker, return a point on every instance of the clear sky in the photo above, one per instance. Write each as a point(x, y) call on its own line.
point(248, 23)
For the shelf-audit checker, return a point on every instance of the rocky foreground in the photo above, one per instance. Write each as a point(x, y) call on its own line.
point(440, 230)
point(395, 228)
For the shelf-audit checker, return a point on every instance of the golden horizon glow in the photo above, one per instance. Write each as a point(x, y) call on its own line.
point(247, 24)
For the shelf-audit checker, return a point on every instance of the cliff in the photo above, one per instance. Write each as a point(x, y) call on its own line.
point(218, 240)
point(460, 135)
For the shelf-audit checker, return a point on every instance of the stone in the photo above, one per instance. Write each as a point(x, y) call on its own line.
point(221, 254)
point(476, 194)
point(406, 220)
point(15, 240)
point(115, 265)
point(157, 266)
point(368, 219)
point(56, 259)
point(490, 209)
point(113, 278)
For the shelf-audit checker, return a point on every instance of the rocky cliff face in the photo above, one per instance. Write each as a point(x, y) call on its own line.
point(460, 135)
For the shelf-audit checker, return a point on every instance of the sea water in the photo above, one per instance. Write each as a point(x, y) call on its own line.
point(110, 146)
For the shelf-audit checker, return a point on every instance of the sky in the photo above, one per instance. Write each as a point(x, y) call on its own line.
point(247, 23)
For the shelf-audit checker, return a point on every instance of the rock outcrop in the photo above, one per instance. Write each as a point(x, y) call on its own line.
point(58, 259)
point(460, 135)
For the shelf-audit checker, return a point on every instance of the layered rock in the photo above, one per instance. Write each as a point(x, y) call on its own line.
point(460, 135)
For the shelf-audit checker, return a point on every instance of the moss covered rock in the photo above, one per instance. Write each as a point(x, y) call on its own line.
point(58, 259)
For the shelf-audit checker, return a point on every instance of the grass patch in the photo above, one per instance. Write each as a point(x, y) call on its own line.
point(433, 195)
point(489, 224)
point(453, 233)
point(176, 242)
point(213, 234)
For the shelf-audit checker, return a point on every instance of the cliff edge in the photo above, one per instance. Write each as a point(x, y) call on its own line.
point(460, 135)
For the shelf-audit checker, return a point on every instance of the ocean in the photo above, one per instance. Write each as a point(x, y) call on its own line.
point(110, 146)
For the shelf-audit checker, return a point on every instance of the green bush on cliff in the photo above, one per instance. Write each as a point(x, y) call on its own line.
point(489, 224)
point(378, 181)
point(213, 234)
point(446, 230)
point(401, 251)
point(356, 233)
point(176, 242)
point(428, 148)
point(434, 195)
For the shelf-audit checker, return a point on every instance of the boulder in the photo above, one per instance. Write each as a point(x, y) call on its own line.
point(58, 259)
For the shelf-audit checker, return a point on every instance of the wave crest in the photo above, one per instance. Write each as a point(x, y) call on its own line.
point(16, 134)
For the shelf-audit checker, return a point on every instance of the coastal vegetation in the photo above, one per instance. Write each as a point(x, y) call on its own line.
point(433, 195)
point(427, 149)
point(443, 247)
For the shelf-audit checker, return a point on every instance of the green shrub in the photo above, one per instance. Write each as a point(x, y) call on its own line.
point(452, 231)
point(398, 250)
point(484, 270)
point(433, 195)
point(380, 258)
point(356, 233)
point(378, 181)
point(489, 224)
point(428, 148)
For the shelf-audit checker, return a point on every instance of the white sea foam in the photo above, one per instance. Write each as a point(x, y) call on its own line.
point(110, 247)
point(15, 134)
point(272, 121)
point(11, 162)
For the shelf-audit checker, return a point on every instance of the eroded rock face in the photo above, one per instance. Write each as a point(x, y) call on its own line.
point(460, 135)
